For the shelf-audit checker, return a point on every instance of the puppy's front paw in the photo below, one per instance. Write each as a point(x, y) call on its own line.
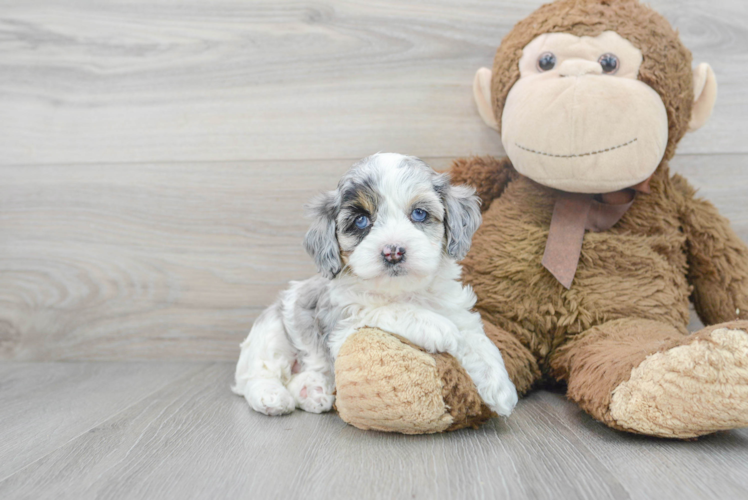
point(492, 382)
point(438, 336)
point(498, 392)
point(312, 392)
point(269, 397)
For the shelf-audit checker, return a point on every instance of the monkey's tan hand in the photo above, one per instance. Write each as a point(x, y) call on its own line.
point(385, 383)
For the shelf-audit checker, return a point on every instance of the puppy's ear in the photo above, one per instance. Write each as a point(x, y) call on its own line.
point(462, 217)
point(321, 241)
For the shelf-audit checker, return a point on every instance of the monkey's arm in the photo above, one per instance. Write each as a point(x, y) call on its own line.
point(488, 175)
point(717, 260)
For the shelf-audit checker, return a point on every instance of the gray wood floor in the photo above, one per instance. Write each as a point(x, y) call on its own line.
point(174, 430)
point(154, 160)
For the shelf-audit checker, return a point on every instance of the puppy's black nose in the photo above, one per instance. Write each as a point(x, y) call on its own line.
point(393, 254)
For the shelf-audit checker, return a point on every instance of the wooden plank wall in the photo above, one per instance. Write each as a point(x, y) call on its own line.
point(155, 156)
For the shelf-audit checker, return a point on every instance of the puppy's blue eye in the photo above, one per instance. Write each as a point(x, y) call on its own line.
point(362, 222)
point(418, 215)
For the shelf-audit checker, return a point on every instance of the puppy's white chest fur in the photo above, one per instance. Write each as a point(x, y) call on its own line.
point(432, 314)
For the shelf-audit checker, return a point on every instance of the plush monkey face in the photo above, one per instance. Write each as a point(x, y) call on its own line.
point(593, 108)
point(578, 119)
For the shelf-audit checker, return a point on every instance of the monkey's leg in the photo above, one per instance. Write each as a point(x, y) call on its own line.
point(386, 383)
point(646, 377)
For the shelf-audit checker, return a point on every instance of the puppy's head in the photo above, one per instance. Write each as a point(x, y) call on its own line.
point(391, 216)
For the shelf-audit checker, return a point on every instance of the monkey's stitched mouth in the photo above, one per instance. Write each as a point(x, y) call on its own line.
point(590, 153)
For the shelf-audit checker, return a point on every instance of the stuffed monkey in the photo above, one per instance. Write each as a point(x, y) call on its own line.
point(590, 250)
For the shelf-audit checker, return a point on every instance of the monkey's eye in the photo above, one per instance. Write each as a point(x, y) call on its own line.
point(362, 222)
point(419, 215)
point(609, 62)
point(546, 61)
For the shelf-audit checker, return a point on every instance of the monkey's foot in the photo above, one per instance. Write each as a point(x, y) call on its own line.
point(386, 383)
point(690, 390)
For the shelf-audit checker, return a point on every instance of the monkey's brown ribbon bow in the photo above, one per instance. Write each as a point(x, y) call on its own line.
point(573, 214)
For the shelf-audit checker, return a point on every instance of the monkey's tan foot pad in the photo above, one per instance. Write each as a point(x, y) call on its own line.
point(688, 391)
point(385, 383)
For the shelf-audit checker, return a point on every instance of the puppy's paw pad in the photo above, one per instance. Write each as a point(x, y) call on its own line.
point(312, 392)
point(272, 400)
point(315, 399)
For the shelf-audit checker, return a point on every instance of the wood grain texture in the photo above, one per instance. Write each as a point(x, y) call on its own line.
point(86, 81)
point(148, 261)
point(126, 232)
point(194, 439)
point(45, 405)
point(176, 260)
point(711, 467)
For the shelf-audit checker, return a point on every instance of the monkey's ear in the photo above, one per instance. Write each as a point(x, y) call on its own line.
point(482, 95)
point(704, 96)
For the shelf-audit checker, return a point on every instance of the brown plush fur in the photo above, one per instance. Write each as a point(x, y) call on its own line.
point(620, 331)
point(717, 264)
point(636, 269)
point(520, 363)
point(631, 292)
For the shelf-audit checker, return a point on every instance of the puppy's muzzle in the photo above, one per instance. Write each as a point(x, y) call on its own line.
point(393, 254)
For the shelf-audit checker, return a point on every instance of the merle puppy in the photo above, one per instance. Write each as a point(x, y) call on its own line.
point(386, 243)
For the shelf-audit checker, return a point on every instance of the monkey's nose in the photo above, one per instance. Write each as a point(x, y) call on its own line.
point(579, 67)
point(393, 254)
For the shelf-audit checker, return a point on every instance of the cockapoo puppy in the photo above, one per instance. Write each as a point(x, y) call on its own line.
point(386, 243)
